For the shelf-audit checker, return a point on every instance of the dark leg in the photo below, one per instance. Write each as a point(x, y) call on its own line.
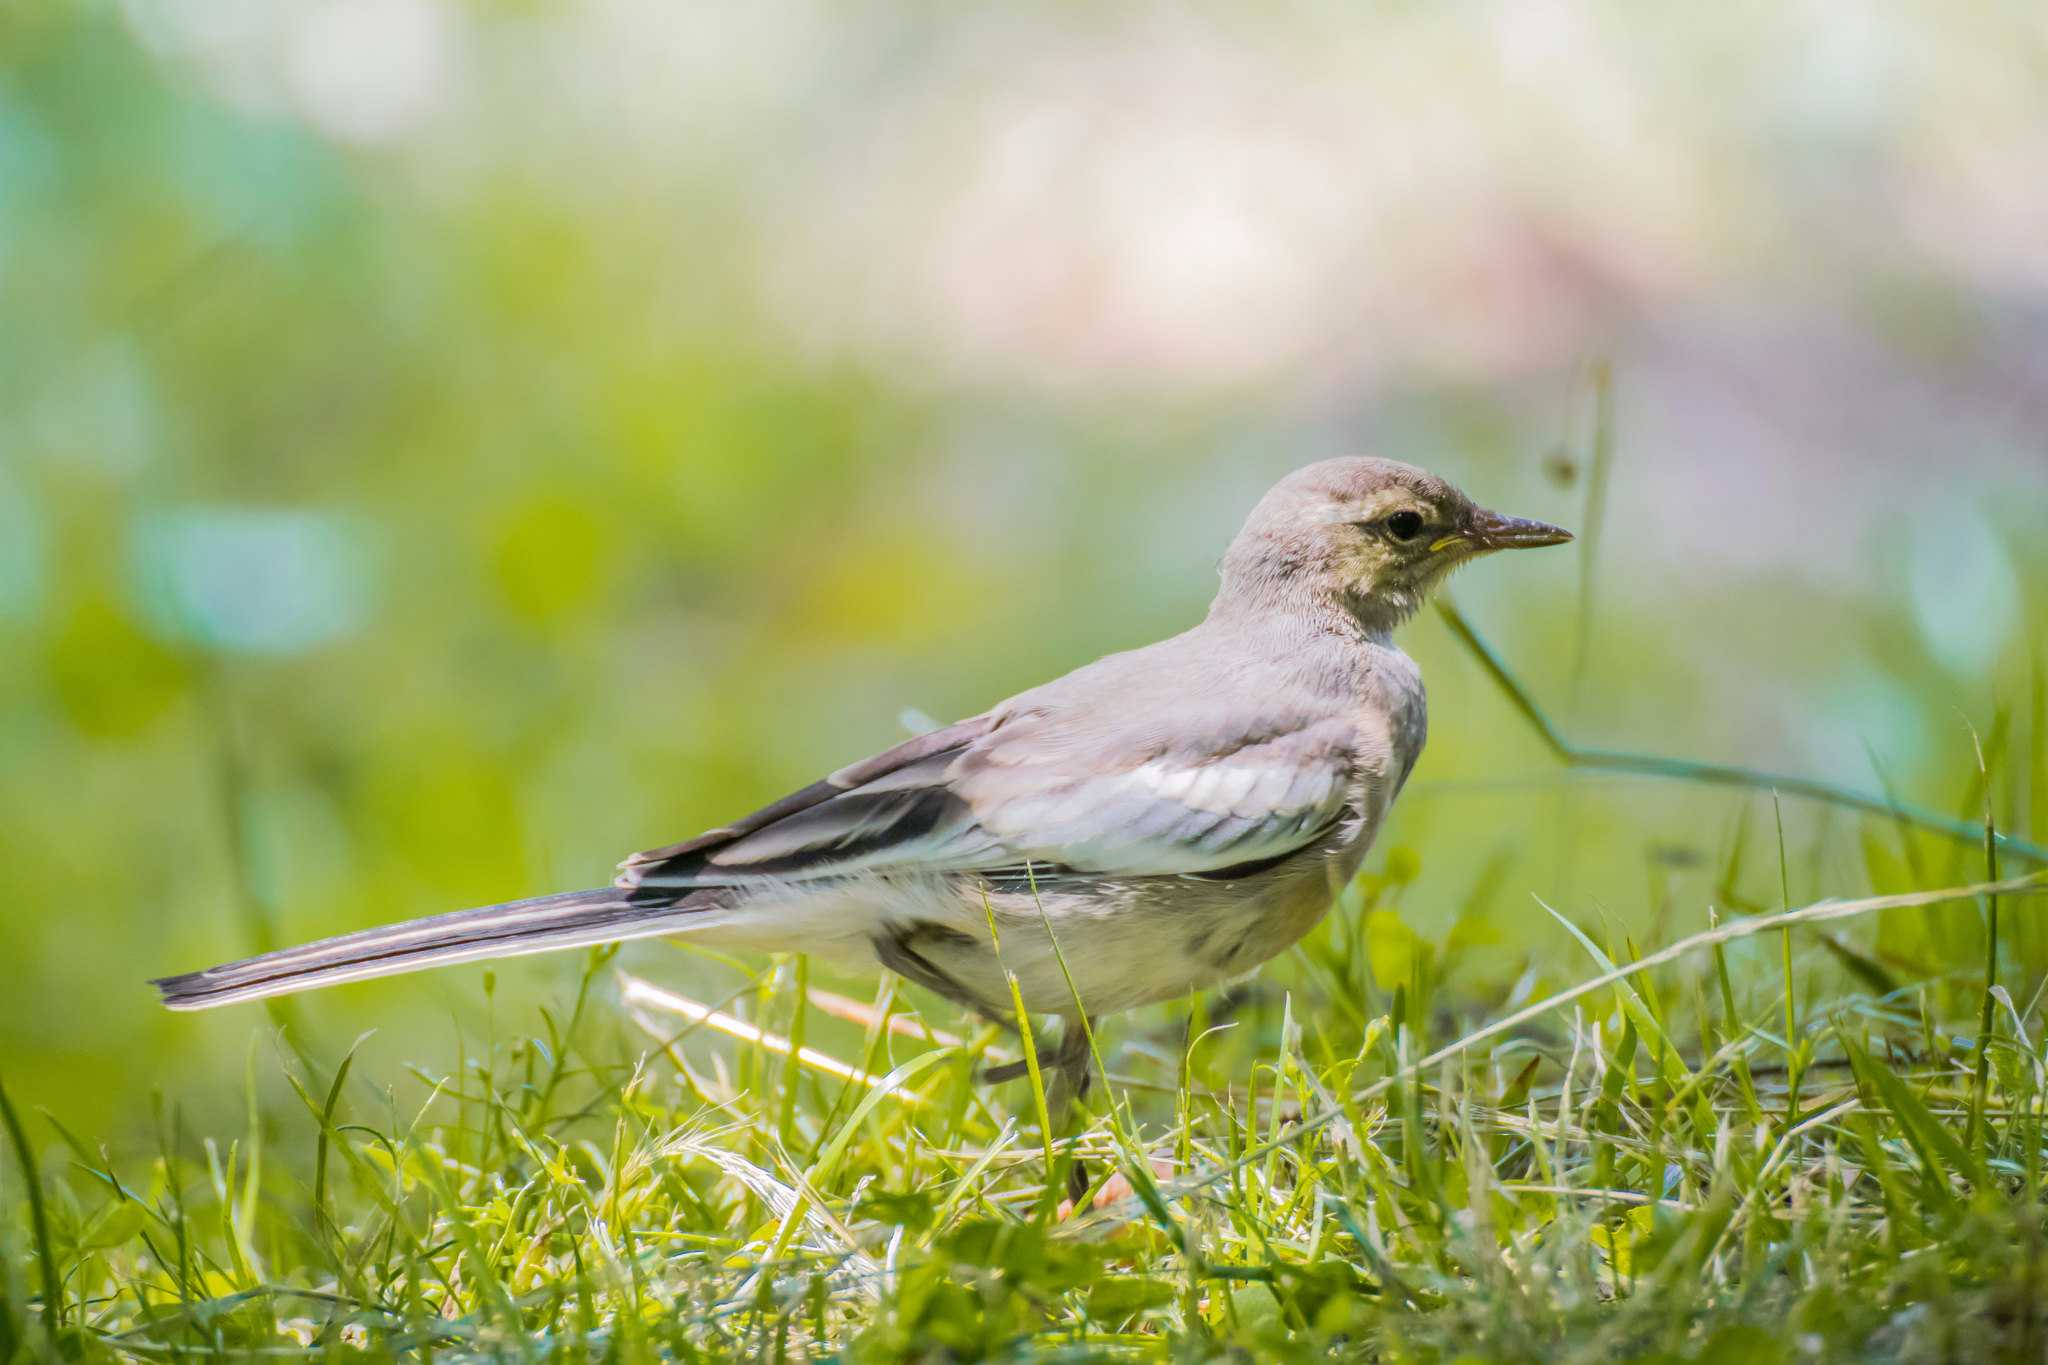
point(1071, 1076)
point(1005, 1072)
point(1067, 1061)
point(1071, 1060)
point(898, 952)
point(1077, 1183)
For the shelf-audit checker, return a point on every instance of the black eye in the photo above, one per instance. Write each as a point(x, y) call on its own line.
point(1404, 525)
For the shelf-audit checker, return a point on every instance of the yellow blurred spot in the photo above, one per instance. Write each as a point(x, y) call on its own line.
point(1389, 948)
point(111, 679)
point(451, 815)
point(885, 590)
point(1473, 931)
point(551, 557)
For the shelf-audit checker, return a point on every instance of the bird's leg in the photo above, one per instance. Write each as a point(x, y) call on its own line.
point(1077, 1182)
point(1067, 1060)
point(898, 952)
point(1071, 1076)
point(1070, 1061)
point(1004, 1072)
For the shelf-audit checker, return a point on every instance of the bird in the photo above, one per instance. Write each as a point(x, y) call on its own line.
point(1156, 822)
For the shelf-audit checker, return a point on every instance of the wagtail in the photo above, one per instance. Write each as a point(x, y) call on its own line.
point(1165, 818)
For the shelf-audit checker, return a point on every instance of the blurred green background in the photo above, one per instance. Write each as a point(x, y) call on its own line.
point(446, 448)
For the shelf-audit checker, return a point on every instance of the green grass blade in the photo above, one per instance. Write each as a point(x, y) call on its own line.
point(39, 1218)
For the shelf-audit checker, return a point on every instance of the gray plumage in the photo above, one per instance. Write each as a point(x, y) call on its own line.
point(1177, 814)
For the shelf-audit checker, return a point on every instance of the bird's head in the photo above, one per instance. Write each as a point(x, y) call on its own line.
point(1371, 536)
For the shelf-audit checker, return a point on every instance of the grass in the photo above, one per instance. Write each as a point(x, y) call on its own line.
point(1608, 1171)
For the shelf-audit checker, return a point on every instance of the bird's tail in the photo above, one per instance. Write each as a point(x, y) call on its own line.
point(572, 920)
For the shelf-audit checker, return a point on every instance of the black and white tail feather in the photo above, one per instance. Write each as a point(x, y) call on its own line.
point(544, 924)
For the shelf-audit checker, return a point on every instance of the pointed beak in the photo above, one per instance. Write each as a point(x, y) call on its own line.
point(1489, 531)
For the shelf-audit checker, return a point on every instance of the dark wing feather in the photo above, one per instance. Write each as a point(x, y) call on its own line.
point(883, 811)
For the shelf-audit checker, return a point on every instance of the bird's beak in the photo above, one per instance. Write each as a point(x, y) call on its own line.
point(1488, 531)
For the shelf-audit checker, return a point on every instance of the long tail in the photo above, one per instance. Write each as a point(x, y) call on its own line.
point(574, 919)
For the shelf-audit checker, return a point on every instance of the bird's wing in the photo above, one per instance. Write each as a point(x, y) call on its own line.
point(1019, 786)
point(1203, 799)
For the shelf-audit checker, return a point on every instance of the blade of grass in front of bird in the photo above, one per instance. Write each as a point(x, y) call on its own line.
point(2034, 814)
point(329, 1230)
point(1737, 1031)
point(1030, 1046)
point(792, 1075)
point(39, 1218)
point(1986, 1019)
point(1977, 792)
point(13, 1330)
point(1791, 985)
point(320, 1209)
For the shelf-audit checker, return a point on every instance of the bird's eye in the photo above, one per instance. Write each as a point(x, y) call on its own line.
point(1405, 525)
